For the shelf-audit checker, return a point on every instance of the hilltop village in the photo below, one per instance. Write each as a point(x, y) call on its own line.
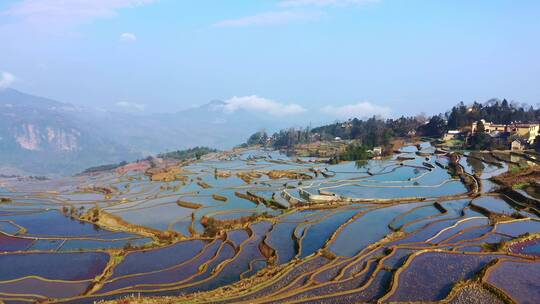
point(495, 125)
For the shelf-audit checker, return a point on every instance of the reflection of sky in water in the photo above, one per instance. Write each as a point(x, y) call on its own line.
point(154, 204)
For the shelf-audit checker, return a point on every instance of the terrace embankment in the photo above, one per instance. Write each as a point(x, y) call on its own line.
point(168, 174)
point(472, 182)
point(137, 166)
point(257, 199)
point(116, 257)
point(322, 149)
point(344, 237)
point(189, 205)
point(115, 223)
point(473, 291)
point(219, 198)
point(248, 176)
point(222, 173)
point(100, 189)
point(290, 174)
point(521, 184)
point(519, 177)
point(520, 245)
point(215, 227)
point(494, 217)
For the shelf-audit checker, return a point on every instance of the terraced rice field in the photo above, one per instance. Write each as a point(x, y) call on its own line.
point(258, 226)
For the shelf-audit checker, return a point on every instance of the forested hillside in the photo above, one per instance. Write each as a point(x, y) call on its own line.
point(375, 131)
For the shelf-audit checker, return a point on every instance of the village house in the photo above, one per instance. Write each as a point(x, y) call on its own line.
point(377, 151)
point(347, 125)
point(517, 145)
point(451, 134)
point(525, 131)
point(528, 131)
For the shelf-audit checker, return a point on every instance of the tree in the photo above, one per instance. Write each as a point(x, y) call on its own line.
point(480, 140)
point(458, 117)
point(494, 110)
point(436, 127)
point(258, 138)
point(196, 152)
point(353, 152)
point(480, 128)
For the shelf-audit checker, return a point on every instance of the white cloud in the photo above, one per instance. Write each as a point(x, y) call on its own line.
point(128, 37)
point(360, 110)
point(292, 14)
point(6, 80)
point(260, 104)
point(131, 105)
point(66, 12)
point(269, 18)
point(320, 3)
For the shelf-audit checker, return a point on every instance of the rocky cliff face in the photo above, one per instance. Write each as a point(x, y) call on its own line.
point(35, 138)
point(42, 136)
point(29, 137)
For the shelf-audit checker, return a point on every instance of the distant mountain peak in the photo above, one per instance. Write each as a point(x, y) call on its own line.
point(11, 97)
point(43, 136)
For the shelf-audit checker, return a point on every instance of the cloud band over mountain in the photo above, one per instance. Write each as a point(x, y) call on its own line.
point(361, 109)
point(260, 104)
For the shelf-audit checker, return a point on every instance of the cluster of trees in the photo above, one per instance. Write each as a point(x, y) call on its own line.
point(481, 140)
point(494, 110)
point(353, 152)
point(196, 152)
point(104, 167)
point(291, 137)
point(258, 138)
point(371, 133)
point(282, 139)
point(375, 132)
point(436, 127)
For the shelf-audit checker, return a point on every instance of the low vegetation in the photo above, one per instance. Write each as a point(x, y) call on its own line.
point(104, 167)
point(213, 226)
point(189, 205)
point(192, 153)
point(169, 174)
point(353, 152)
point(519, 177)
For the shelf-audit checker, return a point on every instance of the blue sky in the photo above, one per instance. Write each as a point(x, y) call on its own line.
point(335, 58)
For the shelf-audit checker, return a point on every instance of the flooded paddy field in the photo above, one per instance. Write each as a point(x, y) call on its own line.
point(259, 226)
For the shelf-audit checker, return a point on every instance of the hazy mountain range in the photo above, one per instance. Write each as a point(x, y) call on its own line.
point(45, 137)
